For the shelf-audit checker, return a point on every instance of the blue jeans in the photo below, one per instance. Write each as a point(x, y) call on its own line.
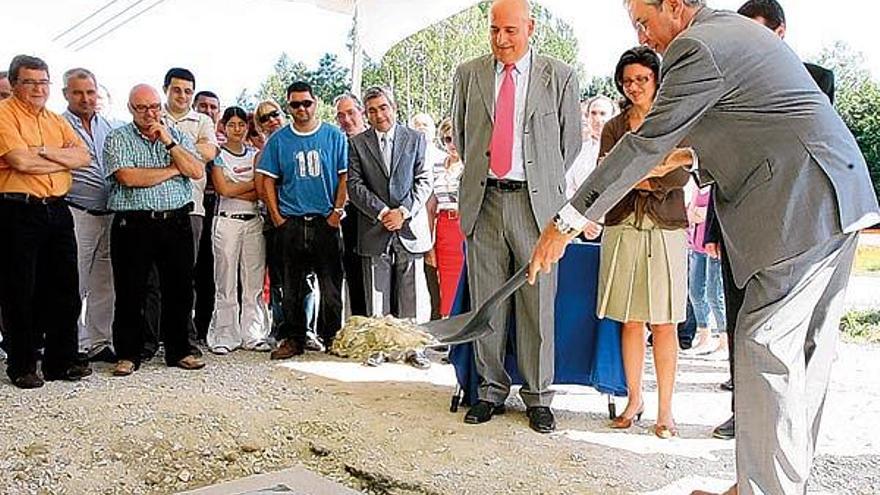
point(706, 290)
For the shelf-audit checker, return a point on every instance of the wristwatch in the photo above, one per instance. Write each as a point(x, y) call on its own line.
point(562, 226)
point(340, 211)
point(171, 145)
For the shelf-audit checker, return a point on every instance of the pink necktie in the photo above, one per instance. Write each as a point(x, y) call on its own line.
point(501, 147)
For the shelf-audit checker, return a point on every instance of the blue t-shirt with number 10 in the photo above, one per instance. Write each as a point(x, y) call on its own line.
point(306, 168)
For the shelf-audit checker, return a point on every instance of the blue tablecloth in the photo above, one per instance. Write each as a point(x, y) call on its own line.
point(587, 349)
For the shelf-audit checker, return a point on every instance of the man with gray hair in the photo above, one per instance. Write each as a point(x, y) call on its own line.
point(38, 276)
point(350, 117)
point(390, 183)
point(777, 151)
point(87, 200)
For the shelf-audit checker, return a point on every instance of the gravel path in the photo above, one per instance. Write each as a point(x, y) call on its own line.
point(165, 430)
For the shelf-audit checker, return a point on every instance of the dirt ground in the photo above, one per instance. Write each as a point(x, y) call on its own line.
point(164, 430)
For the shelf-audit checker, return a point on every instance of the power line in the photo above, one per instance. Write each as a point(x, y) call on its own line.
point(126, 21)
point(80, 23)
point(99, 26)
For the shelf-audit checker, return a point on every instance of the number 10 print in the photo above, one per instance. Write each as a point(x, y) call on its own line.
point(309, 163)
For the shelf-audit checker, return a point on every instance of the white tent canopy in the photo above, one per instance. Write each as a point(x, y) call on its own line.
point(379, 24)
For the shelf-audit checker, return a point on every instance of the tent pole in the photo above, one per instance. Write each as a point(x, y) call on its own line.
point(357, 61)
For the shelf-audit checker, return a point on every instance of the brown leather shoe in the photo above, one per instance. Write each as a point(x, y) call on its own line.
point(123, 367)
point(191, 363)
point(286, 350)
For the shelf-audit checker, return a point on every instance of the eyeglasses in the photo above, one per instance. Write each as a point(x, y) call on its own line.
point(266, 117)
point(641, 24)
point(35, 82)
point(155, 107)
point(641, 81)
point(447, 139)
point(295, 105)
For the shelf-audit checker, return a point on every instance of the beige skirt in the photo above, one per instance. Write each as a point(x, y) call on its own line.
point(643, 273)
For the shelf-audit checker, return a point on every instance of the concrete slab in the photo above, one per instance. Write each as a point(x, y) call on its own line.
point(293, 481)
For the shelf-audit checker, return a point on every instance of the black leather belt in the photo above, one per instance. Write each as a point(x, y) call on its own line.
point(29, 199)
point(156, 215)
point(238, 216)
point(505, 185)
point(97, 213)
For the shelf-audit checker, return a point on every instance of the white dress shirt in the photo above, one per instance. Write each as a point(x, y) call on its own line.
point(387, 149)
point(582, 167)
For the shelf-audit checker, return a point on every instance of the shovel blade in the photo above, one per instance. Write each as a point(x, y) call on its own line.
point(458, 329)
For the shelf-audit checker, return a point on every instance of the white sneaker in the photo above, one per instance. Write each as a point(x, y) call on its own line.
point(260, 347)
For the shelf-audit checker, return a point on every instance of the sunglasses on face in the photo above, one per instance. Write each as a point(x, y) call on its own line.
point(274, 114)
point(295, 105)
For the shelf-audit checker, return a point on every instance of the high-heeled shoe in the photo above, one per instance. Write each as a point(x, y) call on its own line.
point(664, 432)
point(623, 423)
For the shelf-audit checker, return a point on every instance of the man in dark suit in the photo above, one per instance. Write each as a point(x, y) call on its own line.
point(768, 13)
point(389, 183)
point(793, 191)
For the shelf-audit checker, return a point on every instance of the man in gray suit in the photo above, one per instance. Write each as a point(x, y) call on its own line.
point(792, 192)
point(389, 183)
point(517, 123)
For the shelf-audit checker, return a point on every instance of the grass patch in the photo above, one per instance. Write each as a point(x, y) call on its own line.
point(861, 326)
point(867, 261)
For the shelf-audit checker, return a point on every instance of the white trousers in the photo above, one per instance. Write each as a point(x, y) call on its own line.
point(239, 255)
point(95, 280)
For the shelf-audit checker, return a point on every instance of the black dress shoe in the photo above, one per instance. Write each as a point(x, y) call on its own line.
point(105, 355)
point(541, 419)
point(483, 411)
point(727, 386)
point(726, 430)
point(27, 381)
point(73, 373)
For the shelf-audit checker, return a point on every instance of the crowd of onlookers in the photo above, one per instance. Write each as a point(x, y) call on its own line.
point(194, 224)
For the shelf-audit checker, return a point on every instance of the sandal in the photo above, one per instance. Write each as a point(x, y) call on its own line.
point(123, 368)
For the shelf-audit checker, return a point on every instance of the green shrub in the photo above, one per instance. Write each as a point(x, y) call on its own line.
point(861, 326)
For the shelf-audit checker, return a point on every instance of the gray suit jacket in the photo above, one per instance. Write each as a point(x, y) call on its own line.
point(551, 140)
point(370, 189)
point(787, 171)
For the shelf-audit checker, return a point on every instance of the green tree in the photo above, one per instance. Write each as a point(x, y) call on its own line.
point(857, 99)
point(283, 73)
point(600, 86)
point(419, 69)
point(330, 78)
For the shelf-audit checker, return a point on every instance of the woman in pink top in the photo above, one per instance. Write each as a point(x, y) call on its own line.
point(705, 287)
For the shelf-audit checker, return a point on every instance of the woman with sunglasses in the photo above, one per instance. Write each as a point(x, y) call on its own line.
point(239, 248)
point(448, 252)
point(643, 268)
point(268, 118)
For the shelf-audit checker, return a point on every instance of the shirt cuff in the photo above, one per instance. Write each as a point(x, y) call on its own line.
point(696, 160)
point(382, 213)
point(404, 211)
point(572, 217)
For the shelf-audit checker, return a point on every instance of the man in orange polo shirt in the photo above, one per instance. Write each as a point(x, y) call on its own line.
point(38, 270)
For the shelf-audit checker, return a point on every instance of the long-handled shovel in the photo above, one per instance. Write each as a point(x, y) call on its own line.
point(472, 325)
